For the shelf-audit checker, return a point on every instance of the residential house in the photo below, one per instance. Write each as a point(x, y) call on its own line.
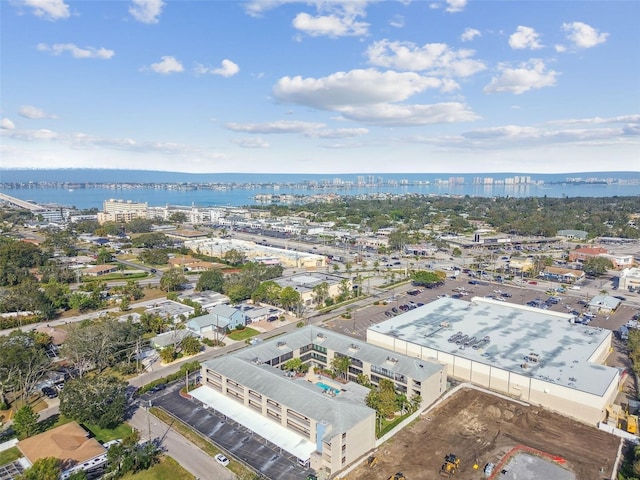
point(170, 310)
point(170, 338)
point(99, 270)
point(69, 443)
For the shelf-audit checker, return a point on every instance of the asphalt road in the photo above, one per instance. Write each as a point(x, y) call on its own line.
point(190, 457)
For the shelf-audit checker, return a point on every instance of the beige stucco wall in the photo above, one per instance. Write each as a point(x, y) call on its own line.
point(583, 406)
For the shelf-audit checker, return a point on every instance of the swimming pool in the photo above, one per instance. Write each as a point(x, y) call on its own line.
point(327, 388)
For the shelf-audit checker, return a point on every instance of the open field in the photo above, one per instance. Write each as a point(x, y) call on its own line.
point(480, 427)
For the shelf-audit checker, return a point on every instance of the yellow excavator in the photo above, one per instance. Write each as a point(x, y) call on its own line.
point(397, 476)
point(450, 466)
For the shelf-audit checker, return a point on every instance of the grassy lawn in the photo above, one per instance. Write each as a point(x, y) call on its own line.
point(101, 434)
point(243, 334)
point(9, 455)
point(167, 469)
point(104, 435)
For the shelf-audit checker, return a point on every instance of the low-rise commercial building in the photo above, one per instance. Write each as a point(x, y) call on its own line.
point(629, 279)
point(324, 423)
point(535, 355)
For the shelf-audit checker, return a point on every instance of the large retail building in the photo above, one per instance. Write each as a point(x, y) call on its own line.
point(535, 355)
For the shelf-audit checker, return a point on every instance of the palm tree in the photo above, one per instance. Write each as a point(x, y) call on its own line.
point(341, 366)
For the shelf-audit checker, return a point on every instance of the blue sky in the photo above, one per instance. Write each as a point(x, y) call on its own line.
point(321, 86)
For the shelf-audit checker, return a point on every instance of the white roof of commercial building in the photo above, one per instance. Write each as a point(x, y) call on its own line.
point(276, 434)
point(564, 349)
point(306, 281)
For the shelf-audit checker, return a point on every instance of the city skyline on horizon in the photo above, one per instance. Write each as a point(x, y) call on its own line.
point(310, 87)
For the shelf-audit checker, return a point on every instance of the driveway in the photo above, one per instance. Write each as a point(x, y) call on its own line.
point(237, 442)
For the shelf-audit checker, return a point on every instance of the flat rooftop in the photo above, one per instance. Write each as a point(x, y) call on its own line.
point(564, 350)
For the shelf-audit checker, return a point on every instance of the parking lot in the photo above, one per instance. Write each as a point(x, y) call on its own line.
point(233, 439)
point(465, 288)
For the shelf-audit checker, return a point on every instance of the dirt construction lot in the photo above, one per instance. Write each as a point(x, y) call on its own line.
point(478, 426)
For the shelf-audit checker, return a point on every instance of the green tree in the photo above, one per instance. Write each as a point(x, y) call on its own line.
point(154, 256)
point(139, 225)
point(104, 256)
point(178, 217)
point(289, 298)
point(172, 280)
point(340, 365)
point(234, 257)
point(211, 280)
point(23, 362)
point(101, 344)
point(99, 400)
point(293, 365)
point(422, 277)
point(48, 468)
point(168, 354)
point(267, 292)
point(151, 240)
point(25, 421)
point(596, 266)
point(320, 293)
point(190, 345)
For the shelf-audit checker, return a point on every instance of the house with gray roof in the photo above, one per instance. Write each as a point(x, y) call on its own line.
point(323, 422)
point(603, 304)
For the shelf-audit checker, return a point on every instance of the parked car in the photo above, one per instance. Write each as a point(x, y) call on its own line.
point(49, 392)
point(222, 460)
point(157, 388)
point(488, 469)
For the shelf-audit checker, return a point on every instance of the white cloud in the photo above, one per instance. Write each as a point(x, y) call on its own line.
point(528, 76)
point(30, 135)
point(397, 21)
point(337, 133)
point(329, 25)
point(280, 126)
point(560, 48)
point(7, 124)
point(33, 113)
point(250, 142)
point(256, 8)
point(146, 11)
point(583, 35)
point(436, 58)
point(228, 69)
point(406, 115)
point(167, 65)
point(454, 6)
point(78, 140)
point(598, 120)
point(525, 38)
point(370, 96)
point(356, 87)
point(308, 129)
point(469, 34)
point(49, 9)
point(76, 52)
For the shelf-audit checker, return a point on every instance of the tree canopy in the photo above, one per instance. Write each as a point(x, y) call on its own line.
point(99, 400)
